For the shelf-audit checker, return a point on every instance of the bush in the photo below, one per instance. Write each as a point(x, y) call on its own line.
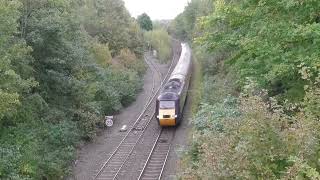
point(262, 122)
point(160, 40)
point(38, 150)
point(129, 60)
point(251, 138)
point(102, 54)
point(265, 41)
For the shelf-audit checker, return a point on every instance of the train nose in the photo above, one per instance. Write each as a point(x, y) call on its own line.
point(167, 117)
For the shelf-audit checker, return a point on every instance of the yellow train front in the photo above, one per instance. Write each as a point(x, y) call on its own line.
point(171, 101)
point(168, 109)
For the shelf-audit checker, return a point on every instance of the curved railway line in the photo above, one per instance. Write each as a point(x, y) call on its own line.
point(118, 158)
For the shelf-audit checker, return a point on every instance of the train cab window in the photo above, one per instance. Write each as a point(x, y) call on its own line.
point(167, 105)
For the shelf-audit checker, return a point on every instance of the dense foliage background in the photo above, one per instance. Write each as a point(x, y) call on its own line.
point(259, 116)
point(63, 66)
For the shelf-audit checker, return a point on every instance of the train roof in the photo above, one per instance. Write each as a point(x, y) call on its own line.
point(176, 82)
point(183, 66)
point(168, 96)
point(173, 86)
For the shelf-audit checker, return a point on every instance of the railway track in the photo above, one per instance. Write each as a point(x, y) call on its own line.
point(113, 165)
point(158, 156)
point(154, 165)
point(154, 66)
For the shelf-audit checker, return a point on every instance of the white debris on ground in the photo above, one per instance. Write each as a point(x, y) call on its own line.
point(124, 128)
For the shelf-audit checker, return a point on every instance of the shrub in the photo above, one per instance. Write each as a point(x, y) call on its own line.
point(129, 60)
point(251, 138)
point(102, 54)
point(160, 40)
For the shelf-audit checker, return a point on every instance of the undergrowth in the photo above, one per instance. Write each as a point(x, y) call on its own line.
point(251, 136)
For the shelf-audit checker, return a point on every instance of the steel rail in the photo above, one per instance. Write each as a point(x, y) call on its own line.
point(165, 161)
point(150, 154)
point(155, 174)
point(159, 73)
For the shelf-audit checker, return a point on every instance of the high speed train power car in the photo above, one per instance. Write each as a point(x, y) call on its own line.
point(170, 103)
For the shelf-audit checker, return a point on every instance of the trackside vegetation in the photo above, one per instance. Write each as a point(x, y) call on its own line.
point(260, 110)
point(159, 40)
point(63, 66)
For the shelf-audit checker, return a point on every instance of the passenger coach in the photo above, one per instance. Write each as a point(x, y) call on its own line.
point(170, 103)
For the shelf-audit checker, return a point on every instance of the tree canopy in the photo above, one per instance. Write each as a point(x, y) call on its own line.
point(63, 66)
point(259, 114)
point(145, 22)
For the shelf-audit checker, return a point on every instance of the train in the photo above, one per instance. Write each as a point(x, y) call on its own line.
point(172, 97)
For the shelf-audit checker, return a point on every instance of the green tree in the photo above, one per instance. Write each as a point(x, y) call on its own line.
point(111, 23)
point(145, 22)
point(15, 58)
point(160, 40)
point(266, 51)
point(58, 79)
point(184, 26)
point(102, 54)
point(266, 41)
